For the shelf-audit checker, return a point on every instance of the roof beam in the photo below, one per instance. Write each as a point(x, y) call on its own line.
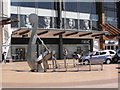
point(114, 28)
point(21, 33)
point(59, 33)
point(88, 33)
point(97, 37)
point(44, 32)
point(14, 33)
point(94, 35)
point(111, 29)
point(108, 29)
point(71, 33)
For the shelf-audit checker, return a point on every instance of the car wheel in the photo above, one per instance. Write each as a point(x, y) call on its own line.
point(115, 60)
point(86, 62)
point(108, 61)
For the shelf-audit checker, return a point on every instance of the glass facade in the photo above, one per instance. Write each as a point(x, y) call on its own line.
point(70, 6)
point(110, 13)
point(71, 23)
point(75, 15)
point(15, 25)
point(49, 19)
point(83, 7)
point(45, 22)
point(46, 5)
point(81, 22)
point(85, 24)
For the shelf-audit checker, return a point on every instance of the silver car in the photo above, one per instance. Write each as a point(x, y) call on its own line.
point(97, 56)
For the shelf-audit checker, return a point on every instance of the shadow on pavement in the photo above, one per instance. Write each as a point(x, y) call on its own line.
point(21, 70)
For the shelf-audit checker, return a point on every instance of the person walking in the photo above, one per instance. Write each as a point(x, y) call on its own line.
point(54, 58)
point(3, 57)
point(65, 53)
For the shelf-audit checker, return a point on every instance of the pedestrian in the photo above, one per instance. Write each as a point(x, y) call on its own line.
point(3, 57)
point(54, 58)
point(65, 53)
point(54, 54)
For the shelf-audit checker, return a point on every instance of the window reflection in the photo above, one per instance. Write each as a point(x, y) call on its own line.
point(14, 25)
point(109, 4)
point(46, 5)
point(45, 22)
point(54, 23)
point(110, 13)
point(95, 25)
point(71, 23)
point(23, 20)
point(27, 4)
point(71, 6)
point(14, 3)
point(84, 7)
point(85, 24)
point(93, 8)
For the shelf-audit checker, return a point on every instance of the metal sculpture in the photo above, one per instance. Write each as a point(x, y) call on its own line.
point(36, 63)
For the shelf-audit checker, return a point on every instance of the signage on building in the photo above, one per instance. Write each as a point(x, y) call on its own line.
point(85, 41)
point(111, 42)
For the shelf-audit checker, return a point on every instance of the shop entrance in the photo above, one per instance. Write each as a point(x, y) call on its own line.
point(83, 49)
point(111, 47)
point(20, 53)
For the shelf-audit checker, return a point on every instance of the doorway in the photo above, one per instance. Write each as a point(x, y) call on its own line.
point(20, 54)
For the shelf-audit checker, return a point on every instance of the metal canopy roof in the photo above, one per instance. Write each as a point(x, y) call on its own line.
point(54, 33)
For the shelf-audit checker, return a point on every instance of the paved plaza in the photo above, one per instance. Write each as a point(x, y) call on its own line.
point(17, 75)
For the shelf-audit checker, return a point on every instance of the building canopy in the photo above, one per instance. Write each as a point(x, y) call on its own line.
point(54, 33)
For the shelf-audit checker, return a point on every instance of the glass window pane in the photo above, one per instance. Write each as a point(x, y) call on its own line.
point(109, 5)
point(54, 22)
point(41, 22)
point(45, 22)
point(71, 6)
point(112, 47)
point(93, 7)
point(102, 53)
point(85, 24)
point(84, 7)
point(111, 52)
point(46, 5)
point(108, 47)
point(14, 3)
point(94, 25)
point(27, 4)
point(23, 20)
point(71, 23)
point(14, 25)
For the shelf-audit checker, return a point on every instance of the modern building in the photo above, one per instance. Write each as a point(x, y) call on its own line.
point(76, 26)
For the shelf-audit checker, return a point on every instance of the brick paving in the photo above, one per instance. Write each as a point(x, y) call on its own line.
point(16, 74)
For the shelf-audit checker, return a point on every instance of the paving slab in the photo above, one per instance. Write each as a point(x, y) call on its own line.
point(17, 74)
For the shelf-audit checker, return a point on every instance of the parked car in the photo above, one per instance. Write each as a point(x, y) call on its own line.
point(111, 52)
point(117, 56)
point(97, 56)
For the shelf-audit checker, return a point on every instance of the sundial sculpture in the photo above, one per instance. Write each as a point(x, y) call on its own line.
point(40, 63)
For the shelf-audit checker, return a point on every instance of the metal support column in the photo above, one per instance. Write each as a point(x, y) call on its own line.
point(60, 47)
point(101, 20)
point(59, 25)
point(1, 42)
point(1, 32)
